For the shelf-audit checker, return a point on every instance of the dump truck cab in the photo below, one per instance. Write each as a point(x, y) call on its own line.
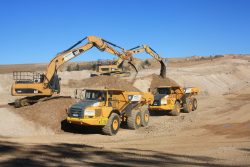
point(108, 107)
point(174, 99)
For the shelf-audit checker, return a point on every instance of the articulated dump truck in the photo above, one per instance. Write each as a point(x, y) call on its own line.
point(173, 99)
point(107, 108)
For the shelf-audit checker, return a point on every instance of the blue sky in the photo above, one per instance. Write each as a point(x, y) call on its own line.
point(33, 31)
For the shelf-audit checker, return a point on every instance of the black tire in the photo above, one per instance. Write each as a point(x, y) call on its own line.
point(93, 75)
point(21, 103)
point(188, 105)
point(17, 103)
point(113, 125)
point(134, 121)
point(145, 117)
point(177, 109)
point(195, 104)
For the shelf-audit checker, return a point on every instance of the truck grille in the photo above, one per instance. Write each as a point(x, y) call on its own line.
point(76, 112)
point(157, 103)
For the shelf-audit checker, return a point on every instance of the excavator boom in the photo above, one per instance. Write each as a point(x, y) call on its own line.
point(48, 83)
point(45, 85)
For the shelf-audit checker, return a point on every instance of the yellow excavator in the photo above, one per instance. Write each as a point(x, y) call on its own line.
point(35, 86)
point(117, 67)
point(108, 67)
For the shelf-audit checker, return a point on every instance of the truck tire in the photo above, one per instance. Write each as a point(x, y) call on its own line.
point(21, 103)
point(113, 125)
point(195, 104)
point(134, 121)
point(188, 105)
point(177, 109)
point(145, 118)
point(17, 103)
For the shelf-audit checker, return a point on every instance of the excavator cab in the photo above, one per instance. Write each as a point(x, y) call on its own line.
point(27, 77)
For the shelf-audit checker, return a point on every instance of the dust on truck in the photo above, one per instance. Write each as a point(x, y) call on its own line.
point(109, 107)
point(174, 99)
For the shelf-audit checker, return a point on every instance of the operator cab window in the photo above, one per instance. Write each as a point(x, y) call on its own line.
point(95, 95)
point(165, 91)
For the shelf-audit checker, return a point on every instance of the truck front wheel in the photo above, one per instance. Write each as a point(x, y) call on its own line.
point(195, 104)
point(176, 110)
point(188, 105)
point(134, 121)
point(113, 125)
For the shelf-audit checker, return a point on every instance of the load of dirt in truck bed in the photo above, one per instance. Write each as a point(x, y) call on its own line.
point(48, 113)
point(110, 82)
point(159, 81)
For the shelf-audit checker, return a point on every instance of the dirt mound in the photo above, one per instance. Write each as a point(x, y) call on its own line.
point(159, 81)
point(14, 125)
point(48, 113)
point(102, 82)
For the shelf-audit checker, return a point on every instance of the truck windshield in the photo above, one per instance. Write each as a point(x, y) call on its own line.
point(165, 91)
point(95, 95)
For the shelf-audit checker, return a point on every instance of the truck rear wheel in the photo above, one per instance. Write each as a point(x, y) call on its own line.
point(176, 110)
point(195, 104)
point(188, 105)
point(134, 120)
point(113, 125)
point(145, 118)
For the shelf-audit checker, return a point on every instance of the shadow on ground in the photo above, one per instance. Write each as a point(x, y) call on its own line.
point(64, 154)
point(78, 129)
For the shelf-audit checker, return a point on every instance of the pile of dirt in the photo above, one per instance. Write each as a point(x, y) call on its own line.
point(48, 113)
point(103, 82)
point(159, 81)
point(16, 126)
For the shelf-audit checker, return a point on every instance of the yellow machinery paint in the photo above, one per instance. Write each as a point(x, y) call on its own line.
point(35, 86)
point(108, 107)
point(174, 99)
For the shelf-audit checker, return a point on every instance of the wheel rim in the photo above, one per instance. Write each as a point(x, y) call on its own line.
point(146, 117)
point(190, 106)
point(177, 108)
point(138, 120)
point(195, 104)
point(23, 103)
point(115, 124)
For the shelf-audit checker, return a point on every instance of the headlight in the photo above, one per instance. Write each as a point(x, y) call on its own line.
point(164, 101)
point(89, 112)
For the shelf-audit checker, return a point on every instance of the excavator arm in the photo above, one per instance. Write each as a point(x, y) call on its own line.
point(49, 84)
point(73, 52)
point(150, 51)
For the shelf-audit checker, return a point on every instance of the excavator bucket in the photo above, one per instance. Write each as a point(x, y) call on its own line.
point(135, 70)
point(163, 68)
